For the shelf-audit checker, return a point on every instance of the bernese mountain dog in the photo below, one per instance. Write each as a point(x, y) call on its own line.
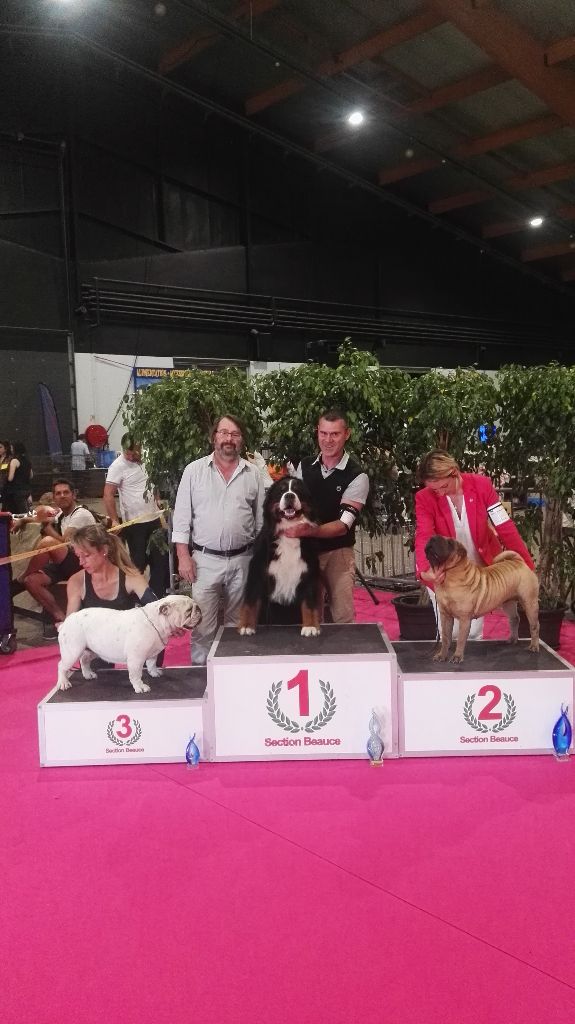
point(283, 576)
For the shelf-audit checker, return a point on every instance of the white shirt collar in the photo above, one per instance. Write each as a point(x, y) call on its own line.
point(341, 464)
point(241, 462)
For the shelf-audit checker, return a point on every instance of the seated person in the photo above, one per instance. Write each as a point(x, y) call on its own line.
point(107, 578)
point(56, 563)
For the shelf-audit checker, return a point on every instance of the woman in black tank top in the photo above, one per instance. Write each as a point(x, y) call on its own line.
point(107, 578)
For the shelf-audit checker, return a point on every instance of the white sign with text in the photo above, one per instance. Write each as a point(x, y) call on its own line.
point(479, 715)
point(115, 733)
point(313, 709)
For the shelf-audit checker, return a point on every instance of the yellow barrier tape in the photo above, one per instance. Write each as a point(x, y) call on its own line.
point(22, 555)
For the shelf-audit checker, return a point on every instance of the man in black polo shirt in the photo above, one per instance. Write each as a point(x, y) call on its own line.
point(339, 489)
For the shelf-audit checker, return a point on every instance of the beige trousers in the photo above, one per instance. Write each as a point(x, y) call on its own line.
point(338, 572)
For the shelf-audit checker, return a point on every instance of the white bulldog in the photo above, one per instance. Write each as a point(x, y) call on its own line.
point(133, 638)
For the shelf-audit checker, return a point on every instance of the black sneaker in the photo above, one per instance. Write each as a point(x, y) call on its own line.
point(49, 631)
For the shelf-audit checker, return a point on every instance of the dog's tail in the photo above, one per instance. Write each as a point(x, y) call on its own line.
point(507, 554)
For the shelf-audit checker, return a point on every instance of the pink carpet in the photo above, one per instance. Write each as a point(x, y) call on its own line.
point(435, 891)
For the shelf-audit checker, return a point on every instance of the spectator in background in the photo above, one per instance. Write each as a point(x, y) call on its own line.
point(5, 455)
point(80, 452)
point(55, 563)
point(16, 489)
point(127, 478)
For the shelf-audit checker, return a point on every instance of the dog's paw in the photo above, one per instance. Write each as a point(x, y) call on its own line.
point(456, 659)
point(64, 684)
point(154, 671)
point(246, 631)
point(439, 657)
point(141, 687)
point(310, 630)
point(533, 647)
point(88, 673)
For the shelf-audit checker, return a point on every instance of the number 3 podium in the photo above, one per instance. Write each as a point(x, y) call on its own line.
point(280, 696)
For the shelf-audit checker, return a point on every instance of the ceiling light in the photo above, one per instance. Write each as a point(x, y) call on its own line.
point(355, 118)
point(536, 222)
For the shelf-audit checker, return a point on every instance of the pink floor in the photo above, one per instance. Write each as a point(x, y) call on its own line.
point(435, 891)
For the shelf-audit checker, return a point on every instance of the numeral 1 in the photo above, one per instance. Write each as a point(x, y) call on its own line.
point(301, 681)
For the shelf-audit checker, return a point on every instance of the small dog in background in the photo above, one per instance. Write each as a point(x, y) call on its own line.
point(134, 637)
point(284, 570)
point(470, 591)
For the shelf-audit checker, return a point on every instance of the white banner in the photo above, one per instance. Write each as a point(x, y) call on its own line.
point(287, 710)
point(99, 734)
point(472, 715)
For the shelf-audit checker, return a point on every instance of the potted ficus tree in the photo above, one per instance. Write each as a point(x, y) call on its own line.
point(444, 410)
point(536, 447)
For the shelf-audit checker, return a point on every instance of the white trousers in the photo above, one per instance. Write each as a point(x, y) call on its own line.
point(219, 585)
point(476, 631)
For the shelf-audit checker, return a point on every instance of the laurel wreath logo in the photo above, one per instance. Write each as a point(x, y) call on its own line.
point(313, 724)
point(470, 717)
point(124, 743)
point(505, 722)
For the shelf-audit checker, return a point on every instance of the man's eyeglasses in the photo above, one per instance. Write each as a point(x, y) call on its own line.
point(234, 434)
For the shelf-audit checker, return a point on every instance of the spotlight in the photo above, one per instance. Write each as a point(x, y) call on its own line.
point(355, 118)
point(409, 153)
point(536, 222)
point(160, 10)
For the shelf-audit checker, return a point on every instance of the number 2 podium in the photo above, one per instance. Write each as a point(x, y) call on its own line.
point(501, 700)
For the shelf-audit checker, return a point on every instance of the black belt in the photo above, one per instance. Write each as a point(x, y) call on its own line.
point(223, 554)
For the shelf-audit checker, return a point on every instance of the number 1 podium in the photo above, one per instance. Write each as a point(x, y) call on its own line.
point(278, 695)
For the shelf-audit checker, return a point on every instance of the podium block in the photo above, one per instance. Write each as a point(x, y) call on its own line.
point(280, 696)
point(103, 721)
point(501, 700)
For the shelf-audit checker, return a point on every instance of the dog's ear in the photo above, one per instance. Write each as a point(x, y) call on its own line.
point(164, 608)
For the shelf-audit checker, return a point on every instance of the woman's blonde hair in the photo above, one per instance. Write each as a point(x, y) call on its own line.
point(436, 465)
point(98, 537)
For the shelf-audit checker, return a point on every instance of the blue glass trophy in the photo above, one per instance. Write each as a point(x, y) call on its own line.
point(375, 742)
point(192, 753)
point(562, 735)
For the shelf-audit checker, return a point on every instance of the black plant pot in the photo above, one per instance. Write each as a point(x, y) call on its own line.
point(550, 620)
point(416, 621)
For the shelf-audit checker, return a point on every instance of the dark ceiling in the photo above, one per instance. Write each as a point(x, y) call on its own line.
point(469, 105)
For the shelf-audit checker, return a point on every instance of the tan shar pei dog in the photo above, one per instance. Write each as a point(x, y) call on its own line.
point(466, 591)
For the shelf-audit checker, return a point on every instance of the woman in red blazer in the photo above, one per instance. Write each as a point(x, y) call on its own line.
point(490, 527)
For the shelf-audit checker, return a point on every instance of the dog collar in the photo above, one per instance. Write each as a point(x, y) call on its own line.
point(164, 642)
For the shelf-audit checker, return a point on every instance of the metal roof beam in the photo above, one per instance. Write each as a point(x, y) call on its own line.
point(548, 252)
point(442, 97)
point(562, 50)
point(459, 201)
point(544, 176)
point(366, 50)
point(459, 90)
point(511, 47)
point(473, 147)
point(200, 41)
